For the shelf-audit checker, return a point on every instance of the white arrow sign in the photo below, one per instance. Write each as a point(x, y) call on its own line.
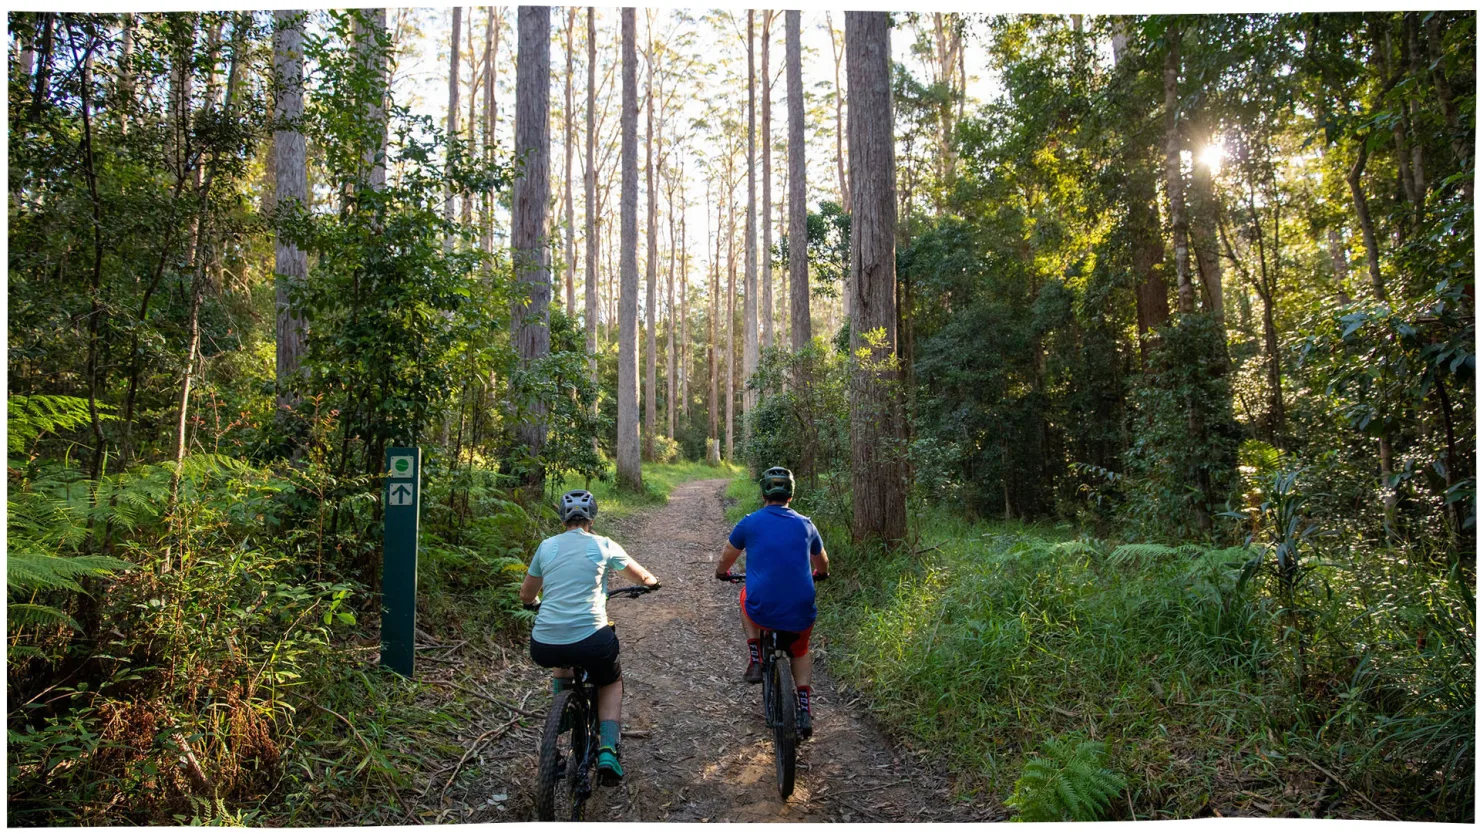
point(401, 495)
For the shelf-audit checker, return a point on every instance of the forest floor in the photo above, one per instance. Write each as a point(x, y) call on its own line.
point(695, 746)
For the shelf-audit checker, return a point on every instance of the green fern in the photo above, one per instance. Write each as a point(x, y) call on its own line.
point(28, 417)
point(1065, 784)
point(1128, 554)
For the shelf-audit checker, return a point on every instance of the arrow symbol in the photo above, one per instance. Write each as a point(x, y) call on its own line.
point(401, 495)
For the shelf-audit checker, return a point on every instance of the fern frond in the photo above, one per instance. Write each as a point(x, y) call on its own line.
point(1065, 784)
point(26, 571)
point(27, 615)
point(28, 417)
point(1127, 554)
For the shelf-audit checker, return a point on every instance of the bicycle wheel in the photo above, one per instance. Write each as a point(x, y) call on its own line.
point(560, 758)
point(784, 712)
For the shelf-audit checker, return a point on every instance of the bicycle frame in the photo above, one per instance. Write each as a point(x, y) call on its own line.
point(576, 772)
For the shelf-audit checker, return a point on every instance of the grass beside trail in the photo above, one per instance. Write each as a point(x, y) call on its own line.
point(658, 480)
point(987, 640)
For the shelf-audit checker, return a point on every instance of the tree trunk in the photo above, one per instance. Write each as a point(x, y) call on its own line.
point(875, 417)
point(592, 239)
point(670, 379)
point(472, 128)
point(1142, 222)
point(290, 151)
point(487, 197)
point(629, 459)
point(796, 150)
point(768, 325)
point(650, 400)
point(1272, 369)
point(730, 312)
point(368, 34)
point(448, 196)
point(570, 200)
point(1175, 200)
point(1364, 219)
point(683, 309)
point(713, 436)
point(843, 190)
point(530, 318)
point(125, 104)
point(752, 301)
point(1204, 206)
point(1339, 268)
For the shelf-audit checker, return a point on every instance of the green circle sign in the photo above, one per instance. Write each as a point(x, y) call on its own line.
point(402, 464)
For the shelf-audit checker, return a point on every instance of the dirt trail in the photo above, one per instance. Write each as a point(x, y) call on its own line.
point(700, 750)
point(696, 746)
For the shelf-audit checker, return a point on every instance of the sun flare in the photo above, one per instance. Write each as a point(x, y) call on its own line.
point(1212, 156)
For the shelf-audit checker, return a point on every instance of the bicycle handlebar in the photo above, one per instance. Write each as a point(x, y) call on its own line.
point(633, 591)
point(739, 578)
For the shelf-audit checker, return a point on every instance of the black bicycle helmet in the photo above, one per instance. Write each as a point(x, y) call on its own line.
point(777, 483)
point(577, 504)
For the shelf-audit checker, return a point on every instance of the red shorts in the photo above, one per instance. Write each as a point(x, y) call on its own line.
point(794, 643)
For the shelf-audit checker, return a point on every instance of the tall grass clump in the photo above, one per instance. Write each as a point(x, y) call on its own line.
point(1207, 670)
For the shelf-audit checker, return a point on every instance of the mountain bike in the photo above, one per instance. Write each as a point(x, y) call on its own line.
point(778, 698)
point(570, 743)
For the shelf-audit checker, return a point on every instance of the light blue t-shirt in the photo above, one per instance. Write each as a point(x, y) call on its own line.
point(574, 566)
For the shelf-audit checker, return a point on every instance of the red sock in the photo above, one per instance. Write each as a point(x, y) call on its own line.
point(804, 698)
point(755, 649)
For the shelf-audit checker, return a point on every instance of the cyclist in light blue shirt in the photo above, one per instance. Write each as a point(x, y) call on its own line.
point(571, 629)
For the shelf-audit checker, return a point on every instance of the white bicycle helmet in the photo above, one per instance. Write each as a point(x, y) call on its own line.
point(577, 503)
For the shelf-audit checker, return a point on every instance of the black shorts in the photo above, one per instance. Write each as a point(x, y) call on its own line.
point(596, 653)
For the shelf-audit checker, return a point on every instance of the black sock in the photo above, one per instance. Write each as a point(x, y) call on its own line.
point(755, 649)
point(804, 698)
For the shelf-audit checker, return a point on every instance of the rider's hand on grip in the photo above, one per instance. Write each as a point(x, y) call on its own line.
point(819, 576)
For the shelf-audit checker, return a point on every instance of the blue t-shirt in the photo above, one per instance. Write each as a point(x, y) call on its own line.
point(778, 545)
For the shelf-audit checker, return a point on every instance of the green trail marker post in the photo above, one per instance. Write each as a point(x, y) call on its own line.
point(398, 576)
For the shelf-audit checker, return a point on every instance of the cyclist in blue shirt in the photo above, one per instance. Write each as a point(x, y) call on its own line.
point(571, 628)
point(783, 551)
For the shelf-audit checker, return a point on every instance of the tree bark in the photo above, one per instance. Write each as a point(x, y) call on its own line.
point(843, 190)
point(488, 143)
point(570, 201)
point(730, 311)
point(768, 326)
point(1175, 199)
point(290, 151)
point(670, 381)
point(1204, 227)
point(752, 301)
point(683, 308)
point(530, 319)
point(448, 196)
point(1142, 221)
point(1364, 219)
point(713, 435)
point(629, 458)
point(650, 400)
point(796, 150)
point(1339, 268)
point(592, 239)
point(875, 417)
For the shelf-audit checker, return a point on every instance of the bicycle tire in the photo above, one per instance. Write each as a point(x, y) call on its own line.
point(555, 745)
point(785, 699)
